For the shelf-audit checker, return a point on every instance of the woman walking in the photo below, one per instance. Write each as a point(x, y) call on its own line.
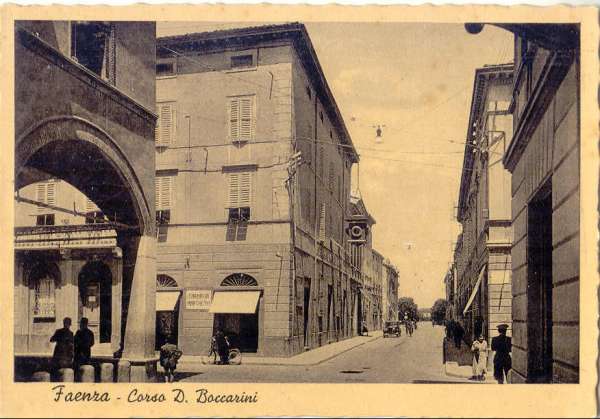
point(479, 349)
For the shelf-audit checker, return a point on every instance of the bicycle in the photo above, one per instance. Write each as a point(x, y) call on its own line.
point(235, 356)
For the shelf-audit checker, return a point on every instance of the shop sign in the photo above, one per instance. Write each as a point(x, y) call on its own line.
point(198, 299)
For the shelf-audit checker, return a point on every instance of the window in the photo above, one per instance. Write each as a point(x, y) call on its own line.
point(163, 200)
point(44, 305)
point(331, 179)
point(321, 162)
point(92, 214)
point(45, 220)
point(241, 118)
point(308, 92)
point(164, 133)
point(237, 223)
point(331, 134)
point(238, 205)
point(93, 46)
point(166, 67)
point(321, 116)
point(242, 61)
point(240, 190)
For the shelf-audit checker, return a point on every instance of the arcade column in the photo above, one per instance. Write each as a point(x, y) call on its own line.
point(138, 346)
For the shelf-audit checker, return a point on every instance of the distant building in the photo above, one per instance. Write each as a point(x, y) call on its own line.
point(483, 266)
point(253, 168)
point(390, 291)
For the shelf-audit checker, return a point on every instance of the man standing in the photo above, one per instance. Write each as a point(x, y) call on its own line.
point(502, 360)
point(222, 347)
point(63, 350)
point(84, 340)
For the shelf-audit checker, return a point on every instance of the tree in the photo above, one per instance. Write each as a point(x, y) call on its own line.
point(406, 305)
point(438, 311)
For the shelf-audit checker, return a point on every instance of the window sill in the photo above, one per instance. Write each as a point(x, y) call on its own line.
point(241, 70)
point(171, 76)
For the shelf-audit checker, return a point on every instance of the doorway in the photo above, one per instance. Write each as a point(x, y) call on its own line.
point(539, 287)
point(95, 299)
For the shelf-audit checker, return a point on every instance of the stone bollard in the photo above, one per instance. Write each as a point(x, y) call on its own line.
point(40, 376)
point(106, 372)
point(124, 372)
point(66, 375)
point(86, 374)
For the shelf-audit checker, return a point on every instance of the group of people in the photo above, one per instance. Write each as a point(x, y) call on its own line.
point(501, 345)
point(72, 351)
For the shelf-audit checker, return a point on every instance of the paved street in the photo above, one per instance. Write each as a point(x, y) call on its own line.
point(384, 360)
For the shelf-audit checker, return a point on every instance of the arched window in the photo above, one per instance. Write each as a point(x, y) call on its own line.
point(43, 281)
point(239, 280)
point(165, 281)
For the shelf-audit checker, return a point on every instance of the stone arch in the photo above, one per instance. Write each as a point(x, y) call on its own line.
point(60, 132)
point(239, 280)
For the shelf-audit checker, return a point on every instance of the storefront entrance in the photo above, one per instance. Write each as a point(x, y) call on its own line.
point(95, 299)
point(236, 306)
point(167, 311)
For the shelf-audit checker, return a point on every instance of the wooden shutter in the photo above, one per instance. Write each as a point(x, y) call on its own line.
point(241, 118)
point(322, 217)
point(164, 124)
point(163, 192)
point(246, 118)
point(45, 192)
point(240, 190)
point(89, 205)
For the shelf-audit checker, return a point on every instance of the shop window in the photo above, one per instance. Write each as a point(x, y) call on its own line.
point(241, 118)
point(93, 46)
point(242, 61)
point(44, 300)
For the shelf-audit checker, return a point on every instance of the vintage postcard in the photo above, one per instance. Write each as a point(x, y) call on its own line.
point(279, 210)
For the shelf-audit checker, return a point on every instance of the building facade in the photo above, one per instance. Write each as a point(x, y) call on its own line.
point(390, 291)
point(253, 166)
point(483, 266)
point(84, 170)
point(543, 158)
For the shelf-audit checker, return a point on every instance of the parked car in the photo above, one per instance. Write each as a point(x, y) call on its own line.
point(391, 328)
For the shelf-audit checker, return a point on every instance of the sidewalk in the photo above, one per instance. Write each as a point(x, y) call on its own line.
point(458, 363)
point(191, 363)
point(452, 369)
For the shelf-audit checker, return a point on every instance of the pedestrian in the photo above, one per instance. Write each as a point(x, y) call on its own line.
point(479, 349)
point(222, 347)
point(62, 356)
point(169, 356)
point(84, 340)
point(459, 333)
point(501, 344)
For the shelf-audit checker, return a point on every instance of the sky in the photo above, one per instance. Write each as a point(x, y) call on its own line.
point(417, 80)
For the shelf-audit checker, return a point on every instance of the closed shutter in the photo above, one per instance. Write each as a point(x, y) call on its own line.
point(241, 118)
point(164, 125)
point(240, 190)
point(163, 192)
point(322, 218)
point(89, 205)
point(46, 193)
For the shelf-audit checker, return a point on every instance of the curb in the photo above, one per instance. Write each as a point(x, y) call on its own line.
point(182, 368)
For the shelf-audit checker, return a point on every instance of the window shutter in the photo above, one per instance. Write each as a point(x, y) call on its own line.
point(45, 192)
point(40, 196)
point(163, 191)
point(233, 190)
point(89, 205)
point(241, 118)
point(51, 193)
point(245, 190)
point(234, 119)
point(322, 216)
point(164, 124)
point(246, 119)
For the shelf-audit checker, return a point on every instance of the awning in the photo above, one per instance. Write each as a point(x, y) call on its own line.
point(475, 289)
point(166, 300)
point(242, 302)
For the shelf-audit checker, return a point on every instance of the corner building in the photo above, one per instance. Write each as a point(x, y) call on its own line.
point(253, 166)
